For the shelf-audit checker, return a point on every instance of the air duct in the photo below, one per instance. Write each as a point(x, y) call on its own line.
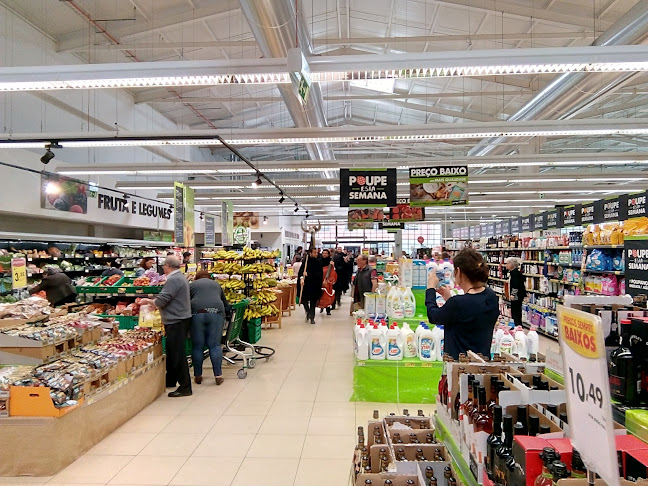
point(571, 93)
point(273, 23)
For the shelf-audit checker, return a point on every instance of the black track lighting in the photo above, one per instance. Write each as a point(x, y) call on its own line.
point(296, 210)
point(126, 196)
point(296, 207)
point(265, 220)
point(307, 214)
point(258, 181)
point(49, 155)
point(201, 216)
point(282, 198)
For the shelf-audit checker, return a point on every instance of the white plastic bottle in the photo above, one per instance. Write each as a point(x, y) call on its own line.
point(383, 327)
point(388, 301)
point(381, 301)
point(409, 341)
point(421, 327)
point(377, 341)
point(427, 351)
point(362, 344)
point(394, 343)
point(506, 343)
point(521, 343)
point(439, 334)
point(533, 341)
point(409, 303)
point(498, 332)
point(397, 304)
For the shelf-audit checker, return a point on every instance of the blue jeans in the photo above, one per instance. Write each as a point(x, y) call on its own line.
point(207, 330)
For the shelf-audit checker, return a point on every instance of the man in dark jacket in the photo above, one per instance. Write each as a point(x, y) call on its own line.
point(341, 261)
point(57, 286)
point(310, 280)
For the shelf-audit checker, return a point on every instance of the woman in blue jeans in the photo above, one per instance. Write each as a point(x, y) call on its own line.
point(208, 304)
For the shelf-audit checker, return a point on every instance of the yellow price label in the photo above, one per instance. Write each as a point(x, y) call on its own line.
point(409, 364)
point(19, 273)
point(426, 365)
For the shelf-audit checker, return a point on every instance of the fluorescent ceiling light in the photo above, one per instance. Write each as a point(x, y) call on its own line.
point(379, 85)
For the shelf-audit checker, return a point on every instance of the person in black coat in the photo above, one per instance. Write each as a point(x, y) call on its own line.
point(309, 280)
point(341, 262)
point(517, 291)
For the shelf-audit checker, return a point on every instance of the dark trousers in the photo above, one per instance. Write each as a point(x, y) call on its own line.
point(207, 330)
point(516, 312)
point(310, 304)
point(177, 368)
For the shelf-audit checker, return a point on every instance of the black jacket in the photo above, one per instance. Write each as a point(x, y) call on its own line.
point(313, 280)
point(517, 291)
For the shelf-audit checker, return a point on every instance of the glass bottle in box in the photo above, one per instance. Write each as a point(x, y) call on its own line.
point(494, 441)
point(503, 452)
point(624, 375)
point(483, 421)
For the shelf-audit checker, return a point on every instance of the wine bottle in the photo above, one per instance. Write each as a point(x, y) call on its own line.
point(514, 473)
point(548, 456)
point(494, 441)
point(578, 467)
point(483, 421)
point(522, 418)
point(504, 451)
point(534, 425)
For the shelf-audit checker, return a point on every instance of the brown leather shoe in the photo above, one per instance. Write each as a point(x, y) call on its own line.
point(219, 380)
point(198, 380)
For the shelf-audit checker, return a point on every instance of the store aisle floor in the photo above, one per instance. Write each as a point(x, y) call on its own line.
point(289, 422)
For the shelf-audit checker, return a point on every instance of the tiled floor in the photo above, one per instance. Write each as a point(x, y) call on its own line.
point(289, 422)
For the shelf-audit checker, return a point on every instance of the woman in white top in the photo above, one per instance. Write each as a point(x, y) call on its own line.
point(297, 265)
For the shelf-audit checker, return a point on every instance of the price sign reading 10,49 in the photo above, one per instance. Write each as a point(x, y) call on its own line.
point(588, 391)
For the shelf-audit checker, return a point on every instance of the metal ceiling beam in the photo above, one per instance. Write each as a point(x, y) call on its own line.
point(560, 99)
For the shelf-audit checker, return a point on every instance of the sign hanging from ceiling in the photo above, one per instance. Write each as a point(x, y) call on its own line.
point(183, 198)
point(636, 266)
point(248, 219)
point(227, 223)
point(210, 231)
point(366, 215)
point(360, 225)
point(367, 188)
point(443, 185)
point(404, 213)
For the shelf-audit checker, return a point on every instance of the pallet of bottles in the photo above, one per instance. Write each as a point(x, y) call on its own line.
point(402, 449)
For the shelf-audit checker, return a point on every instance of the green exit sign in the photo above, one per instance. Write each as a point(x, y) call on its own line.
point(303, 89)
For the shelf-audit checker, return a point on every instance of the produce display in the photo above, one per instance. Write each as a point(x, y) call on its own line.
point(142, 282)
point(112, 280)
point(121, 309)
point(248, 254)
point(25, 309)
point(87, 281)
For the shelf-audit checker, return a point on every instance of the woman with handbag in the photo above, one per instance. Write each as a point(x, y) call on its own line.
point(208, 308)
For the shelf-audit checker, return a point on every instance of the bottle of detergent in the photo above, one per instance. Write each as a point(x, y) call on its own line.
point(497, 337)
point(394, 343)
point(388, 302)
point(377, 341)
point(398, 311)
point(533, 341)
point(521, 343)
point(409, 303)
point(507, 342)
point(381, 300)
point(427, 351)
point(383, 327)
point(362, 343)
point(417, 334)
point(409, 341)
point(439, 334)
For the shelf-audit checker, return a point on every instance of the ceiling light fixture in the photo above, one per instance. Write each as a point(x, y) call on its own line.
point(258, 181)
point(49, 155)
point(282, 198)
point(265, 220)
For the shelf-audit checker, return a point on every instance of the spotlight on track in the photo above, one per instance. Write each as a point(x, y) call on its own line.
point(49, 155)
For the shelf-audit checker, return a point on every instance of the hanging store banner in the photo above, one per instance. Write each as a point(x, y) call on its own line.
point(361, 225)
point(592, 213)
point(587, 386)
point(610, 209)
point(242, 236)
point(179, 212)
point(541, 220)
point(506, 227)
point(183, 198)
point(636, 264)
point(499, 228)
point(633, 205)
point(363, 215)
point(227, 223)
point(553, 219)
point(456, 233)
point(490, 229)
point(515, 225)
point(527, 223)
point(210, 231)
point(368, 188)
point(571, 216)
point(404, 213)
point(439, 186)
point(391, 225)
point(247, 218)
point(465, 233)
point(18, 273)
point(61, 193)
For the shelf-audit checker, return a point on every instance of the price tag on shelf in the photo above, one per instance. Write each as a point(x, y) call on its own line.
point(587, 386)
point(18, 273)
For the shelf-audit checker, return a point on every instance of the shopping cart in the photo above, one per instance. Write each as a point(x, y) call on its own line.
point(233, 344)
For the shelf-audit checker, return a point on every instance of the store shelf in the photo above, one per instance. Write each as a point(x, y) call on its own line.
point(591, 247)
point(11, 236)
point(536, 292)
point(591, 292)
point(561, 247)
point(570, 265)
point(540, 331)
point(493, 264)
point(534, 261)
point(534, 275)
point(498, 279)
point(461, 466)
point(604, 272)
point(573, 284)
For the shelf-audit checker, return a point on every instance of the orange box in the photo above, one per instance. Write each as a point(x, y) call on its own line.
point(27, 401)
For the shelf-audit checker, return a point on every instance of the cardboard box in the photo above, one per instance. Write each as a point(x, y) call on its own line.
point(624, 445)
point(418, 423)
point(27, 401)
point(555, 431)
point(371, 428)
point(375, 451)
point(405, 435)
point(379, 479)
point(526, 451)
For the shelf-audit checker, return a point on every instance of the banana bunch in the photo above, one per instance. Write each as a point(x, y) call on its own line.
point(264, 296)
point(250, 254)
point(270, 254)
point(257, 268)
point(233, 284)
point(262, 283)
point(255, 311)
point(222, 267)
point(233, 297)
point(226, 255)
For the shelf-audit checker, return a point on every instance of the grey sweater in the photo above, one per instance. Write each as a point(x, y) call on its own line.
point(207, 294)
point(174, 300)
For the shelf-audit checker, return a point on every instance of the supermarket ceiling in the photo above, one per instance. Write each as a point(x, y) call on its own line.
point(519, 172)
